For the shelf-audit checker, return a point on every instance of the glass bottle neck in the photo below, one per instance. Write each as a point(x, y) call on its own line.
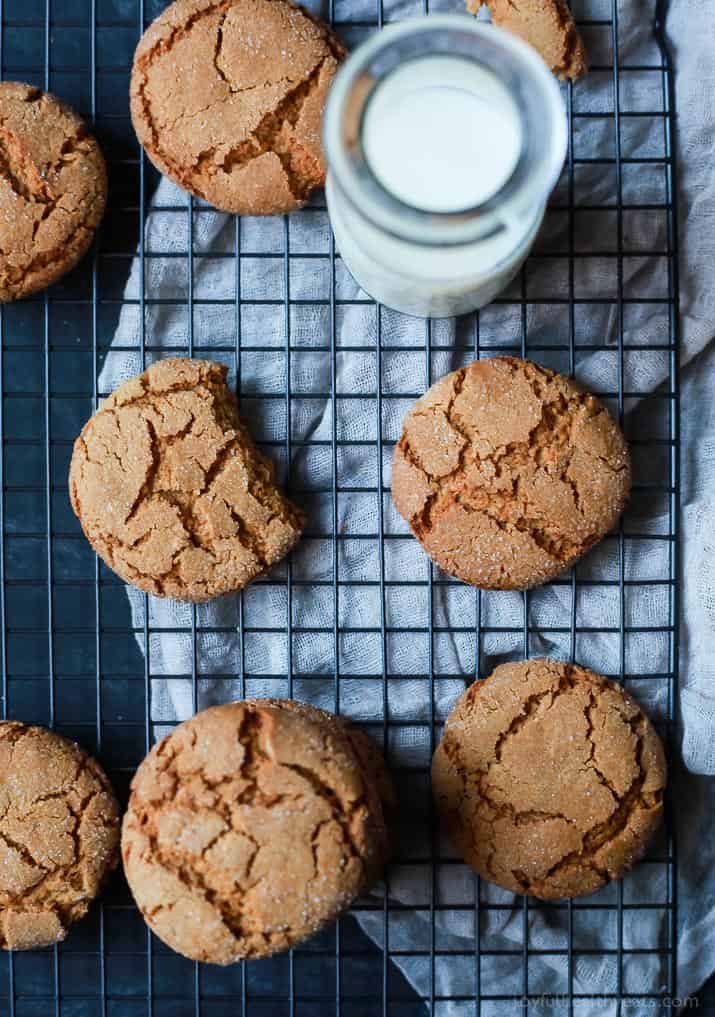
point(443, 130)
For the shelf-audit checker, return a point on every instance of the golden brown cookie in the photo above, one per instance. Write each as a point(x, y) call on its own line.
point(549, 778)
point(170, 490)
point(508, 473)
point(250, 827)
point(547, 25)
point(53, 189)
point(59, 834)
point(227, 98)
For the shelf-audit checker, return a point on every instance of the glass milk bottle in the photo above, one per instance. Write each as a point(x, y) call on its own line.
point(444, 138)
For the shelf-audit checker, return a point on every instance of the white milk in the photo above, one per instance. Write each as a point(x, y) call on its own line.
point(443, 138)
point(442, 134)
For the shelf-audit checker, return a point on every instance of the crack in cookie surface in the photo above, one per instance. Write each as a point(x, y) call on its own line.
point(172, 492)
point(550, 779)
point(59, 834)
point(508, 473)
point(256, 817)
point(244, 131)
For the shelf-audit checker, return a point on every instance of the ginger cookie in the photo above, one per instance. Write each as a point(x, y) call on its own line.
point(250, 827)
point(227, 98)
point(59, 835)
point(547, 25)
point(53, 189)
point(170, 490)
point(508, 473)
point(549, 778)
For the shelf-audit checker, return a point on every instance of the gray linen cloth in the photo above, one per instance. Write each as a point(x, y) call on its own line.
point(225, 669)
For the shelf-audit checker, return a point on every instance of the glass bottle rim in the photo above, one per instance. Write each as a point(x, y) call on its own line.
point(520, 70)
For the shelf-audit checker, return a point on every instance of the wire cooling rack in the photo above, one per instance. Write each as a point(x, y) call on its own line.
point(71, 648)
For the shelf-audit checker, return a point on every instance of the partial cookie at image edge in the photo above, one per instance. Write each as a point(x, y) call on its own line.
point(257, 73)
point(547, 25)
point(53, 189)
point(59, 834)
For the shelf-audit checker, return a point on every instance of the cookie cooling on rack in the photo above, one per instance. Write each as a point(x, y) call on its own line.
point(253, 825)
point(53, 189)
point(171, 491)
point(59, 834)
point(547, 25)
point(227, 98)
point(549, 778)
point(508, 473)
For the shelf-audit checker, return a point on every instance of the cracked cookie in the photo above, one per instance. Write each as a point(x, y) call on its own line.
point(59, 835)
point(547, 25)
point(251, 826)
point(549, 778)
point(53, 189)
point(170, 490)
point(227, 98)
point(508, 473)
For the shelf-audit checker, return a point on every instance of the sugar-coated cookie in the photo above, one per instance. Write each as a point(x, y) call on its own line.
point(170, 490)
point(251, 826)
point(59, 834)
point(549, 778)
point(227, 98)
point(508, 473)
point(53, 189)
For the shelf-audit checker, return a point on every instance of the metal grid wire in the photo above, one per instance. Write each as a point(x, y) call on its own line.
point(70, 656)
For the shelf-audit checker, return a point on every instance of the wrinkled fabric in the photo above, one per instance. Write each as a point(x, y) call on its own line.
point(336, 654)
